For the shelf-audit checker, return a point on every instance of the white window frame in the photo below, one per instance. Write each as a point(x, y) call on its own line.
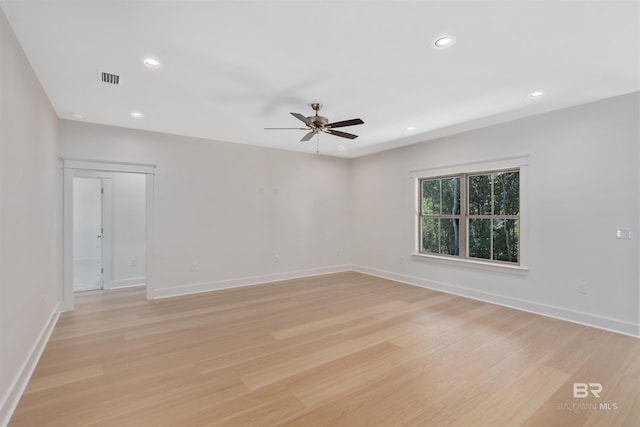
point(521, 163)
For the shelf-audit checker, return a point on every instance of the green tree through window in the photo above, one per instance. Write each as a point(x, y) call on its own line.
point(479, 221)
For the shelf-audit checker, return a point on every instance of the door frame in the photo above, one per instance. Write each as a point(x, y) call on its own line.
point(106, 203)
point(98, 169)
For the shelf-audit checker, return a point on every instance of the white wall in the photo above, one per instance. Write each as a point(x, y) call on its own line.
point(28, 214)
point(230, 209)
point(584, 179)
point(128, 229)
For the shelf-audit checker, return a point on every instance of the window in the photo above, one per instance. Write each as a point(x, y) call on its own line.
point(471, 216)
point(440, 218)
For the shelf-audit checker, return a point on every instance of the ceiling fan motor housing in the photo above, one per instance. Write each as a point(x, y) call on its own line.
point(319, 121)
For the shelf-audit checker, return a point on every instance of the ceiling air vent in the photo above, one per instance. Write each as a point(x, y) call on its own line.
point(113, 79)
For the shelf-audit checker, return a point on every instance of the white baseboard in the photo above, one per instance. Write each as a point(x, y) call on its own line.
point(613, 325)
point(244, 281)
point(19, 384)
point(127, 283)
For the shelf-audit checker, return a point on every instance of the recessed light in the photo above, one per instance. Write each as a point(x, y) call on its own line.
point(536, 94)
point(410, 128)
point(137, 115)
point(74, 116)
point(341, 148)
point(151, 62)
point(443, 42)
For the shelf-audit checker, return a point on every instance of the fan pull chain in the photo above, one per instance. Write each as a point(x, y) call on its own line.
point(318, 144)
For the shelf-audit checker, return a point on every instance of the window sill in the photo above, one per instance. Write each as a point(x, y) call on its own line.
point(473, 264)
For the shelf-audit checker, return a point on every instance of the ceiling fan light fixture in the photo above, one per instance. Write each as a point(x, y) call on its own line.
point(444, 42)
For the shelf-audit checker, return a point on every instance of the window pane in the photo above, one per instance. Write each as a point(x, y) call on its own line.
point(431, 197)
point(480, 238)
point(430, 235)
point(441, 236)
point(506, 233)
point(506, 189)
point(449, 236)
point(480, 195)
point(451, 196)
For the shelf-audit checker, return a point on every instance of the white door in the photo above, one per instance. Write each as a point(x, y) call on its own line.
point(88, 233)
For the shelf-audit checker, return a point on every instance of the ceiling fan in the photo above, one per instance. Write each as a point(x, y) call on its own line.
point(316, 124)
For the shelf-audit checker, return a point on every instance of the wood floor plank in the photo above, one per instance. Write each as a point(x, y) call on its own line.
point(343, 349)
point(514, 405)
point(64, 377)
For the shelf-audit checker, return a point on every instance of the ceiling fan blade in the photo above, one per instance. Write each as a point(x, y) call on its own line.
point(286, 128)
point(307, 136)
point(342, 134)
point(344, 123)
point(303, 119)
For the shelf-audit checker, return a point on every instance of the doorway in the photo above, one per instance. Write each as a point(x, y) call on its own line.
point(94, 239)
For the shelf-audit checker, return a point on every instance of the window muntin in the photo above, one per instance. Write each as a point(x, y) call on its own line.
point(478, 221)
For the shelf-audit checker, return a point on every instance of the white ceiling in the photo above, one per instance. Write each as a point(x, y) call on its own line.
point(229, 69)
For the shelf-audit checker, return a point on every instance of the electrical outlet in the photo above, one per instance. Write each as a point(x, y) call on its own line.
point(582, 288)
point(194, 266)
point(134, 262)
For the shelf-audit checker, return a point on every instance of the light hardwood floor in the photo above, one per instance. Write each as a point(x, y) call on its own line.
point(337, 350)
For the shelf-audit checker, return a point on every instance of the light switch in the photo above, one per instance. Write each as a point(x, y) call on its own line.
point(623, 233)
